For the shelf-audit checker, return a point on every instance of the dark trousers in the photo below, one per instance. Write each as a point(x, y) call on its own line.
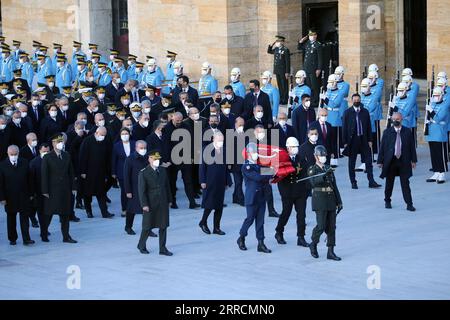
point(32, 216)
point(80, 185)
point(123, 195)
point(146, 228)
point(64, 220)
point(255, 213)
point(439, 156)
point(314, 83)
point(282, 83)
point(326, 222)
point(129, 220)
point(217, 217)
point(186, 173)
point(11, 220)
point(300, 207)
point(337, 140)
point(359, 147)
point(101, 199)
point(393, 171)
point(195, 178)
point(238, 194)
point(268, 196)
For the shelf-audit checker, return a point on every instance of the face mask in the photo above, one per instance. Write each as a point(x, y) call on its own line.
point(130, 63)
point(125, 137)
point(80, 68)
point(101, 96)
point(4, 55)
point(240, 129)
point(126, 102)
point(101, 123)
point(265, 81)
point(214, 125)
point(226, 111)
point(436, 99)
point(90, 79)
point(136, 114)
point(229, 96)
point(83, 121)
point(282, 123)
point(60, 146)
point(42, 98)
point(260, 136)
point(357, 104)
point(65, 107)
point(117, 80)
point(146, 110)
point(311, 38)
point(254, 156)
point(148, 93)
point(313, 137)
point(35, 103)
point(397, 123)
point(294, 150)
point(219, 144)
point(259, 115)
point(322, 159)
point(323, 118)
point(299, 81)
point(51, 84)
point(156, 163)
point(176, 71)
point(204, 72)
point(100, 138)
point(95, 109)
point(129, 128)
point(307, 104)
point(169, 60)
point(9, 113)
point(13, 158)
point(195, 116)
point(121, 118)
point(277, 44)
point(43, 154)
point(101, 70)
point(400, 94)
point(142, 152)
point(53, 113)
point(2, 126)
point(233, 78)
point(34, 143)
point(60, 64)
point(145, 124)
point(79, 131)
point(111, 57)
point(330, 86)
point(23, 114)
point(22, 61)
point(365, 90)
point(4, 91)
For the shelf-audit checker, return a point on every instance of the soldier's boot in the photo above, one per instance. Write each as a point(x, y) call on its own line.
point(313, 248)
point(262, 247)
point(331, 255)
point(302, 242)
point(241, 243)
point(279, 237)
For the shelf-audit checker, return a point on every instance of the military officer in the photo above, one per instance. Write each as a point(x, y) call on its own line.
point(412, 92)
point(26, 67)
point(63, 73)
point(120, 69)
point(93, 63)
point(155, 197)
point(281, 66)
point(300, 89)
point(236, 84)
point(131, 70)
point(376, 87)
point(103, 77)
point(151, 75)
point(139, 72)
point(44, 69)
point(403, 104)
point(8, 64)
point(272, 92)
point(82, 71)
point(171, 56)
point(312, 63)
point(370, 101)
point(326, 199)
point(207, 84)
point(92, 50)
point(113, 54)
point(255, 178)
point(57, 50)
point(16, 50)
point(77, 54)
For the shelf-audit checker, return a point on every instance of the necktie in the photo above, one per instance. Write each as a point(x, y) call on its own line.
point(358, 125)
point(36, 113)
point(255, 103)
point(398, 145)
point(15, 164)
point(34, 151)
point(136, 98)
point(324, 132)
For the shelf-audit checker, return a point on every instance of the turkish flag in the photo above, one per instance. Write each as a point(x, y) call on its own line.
point(276, 158)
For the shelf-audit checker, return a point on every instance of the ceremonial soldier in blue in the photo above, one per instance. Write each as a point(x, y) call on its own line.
point(207, 84)
point(44, 69)
point(300, 89)
point(57, 50)
point(236, 84)
point(281, 66)
point(82, 69)
point(438, 117)
point(8, 64)
point(332, 101)
point(169, 70)
point(403, 104)
point(113, 54)
point(131, 70)
point(370, 101)
point(343, 86)
point(93, 49)
point(139, 72)
point(36, 45)
point(63, 74)
point(26, 67)
point(103, 78)
point(16, 50)
point(77, 54)
point(412, 92)
point(376, 88)
point(93, 64)
point(255, 178)
point(272, 92)
point(120, 69)
point(152, 77)
point(178, 70)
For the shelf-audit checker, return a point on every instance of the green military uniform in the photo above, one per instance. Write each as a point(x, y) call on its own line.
point(281, 66)
point(154, 192)
point(325, 200)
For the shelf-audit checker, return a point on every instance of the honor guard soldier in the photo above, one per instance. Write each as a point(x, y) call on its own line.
point(326, 199)
point(255, 178)
point(403, 104)
point(103, 77)
point(8, 64)
point(18, 81)
point(300, 89)
point(77, 54)
point(16, 50)
point(412, 92)
point(238, 87)
point(272, 92)
point(342, 86)
point(312, 62)
point(63, 73)
point(178, 71)
point(82, 70)
point(35, 45)
point(56, 50)
point(43, 69)
point(93, 64)
point(370, 101)
point(26, 67)
point(92, 49)
point(113, 54)
point(438, 117)
point(332, 101)
point(139, 72)
point(169, 70)
point(281, 66)
point(151, 76)
point(131, 70)
point(120, 69)
point(207, 84)
point(376, 88)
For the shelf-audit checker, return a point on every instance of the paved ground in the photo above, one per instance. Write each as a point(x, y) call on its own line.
point(411, 250)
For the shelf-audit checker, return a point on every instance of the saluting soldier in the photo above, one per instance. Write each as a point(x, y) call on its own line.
point(26, 67)
point(281, 66)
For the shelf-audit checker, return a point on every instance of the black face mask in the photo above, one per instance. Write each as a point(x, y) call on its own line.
point(252, 90)
point(214, 125)
point(357, 104)
point(218, 100)
point(397, 123)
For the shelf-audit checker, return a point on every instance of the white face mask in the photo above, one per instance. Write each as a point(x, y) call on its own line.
point(101, 123)
point(60, 146)
point(142, 152)
point(126, 102)
point(233, 78)
point(195, 116)
point(148, 94)
point(136, 114)
point(117, 80)
point(34, 143)
point(13, 158)
point(130, 62)
point(35, 103)
point(125, 137)
point(156, 163)
point(121, 118)
point(100, 138)
point(240, 129)
point(101, 96)
point(313, 138)
point(4, 91)
point(294, 151)
point(365, 90)
point(2, 126)
point(129, 128)
point(43, 154)
point(259, 115)
point(80, 68)
point(9, 113)
point(53, 113)
point(254, 156)
point(145, 124)
point(323, 118)
point(22, 61)
point(90, 79)
point(400, 94)
point(436, 99)
point(146, 110)
point(176, 71)
point(65, 107)
point(307, 104)
point(282, 123)
point(59, 64)
point(42, 98)
point(204, 72)
point(79, 131)
point(311, 38)
point(330, 86)
point(260, 136)
point(322, 159)
point(112, 113)
point(51, 84)
point(229, 96)
point(95, 109)
point(298, 80)
point(265, 81)
point(138, 70)
point(226, 111)
point(23, 114)
point(277, 44)
point(112, 57)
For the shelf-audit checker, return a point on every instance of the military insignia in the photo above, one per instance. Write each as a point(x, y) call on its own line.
point(248, 167)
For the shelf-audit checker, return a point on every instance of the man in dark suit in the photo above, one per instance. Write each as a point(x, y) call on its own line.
point(29, 151)
point(256, 97)
point(128, 89)
point(285, 131)
point(114, 87)
point(257, 119)
point(302, 117)
point(326, 132)
point(397, 157)
point(18, 130)
point(5, 136)
point(36, 112)
point(357, 139)
point(183, 86)
point(237, 103)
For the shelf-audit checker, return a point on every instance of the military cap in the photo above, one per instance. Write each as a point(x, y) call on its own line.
point(85, 90)
point(43, 48)
point(57, 137)
point(132, 57)
point(4, 85)
point(41, 85)
point(5, 49)
point(150, 57)
point(150, 87)
point(96, 55)
point(57, 46)
point(102, 64)
point(154, 154)
point(16, 43)
point(280, 38)
point(111, 106)
point(50, 77)
point(76, 44)
point(171, 54)
point(100, 89)
point(36, 43)
point(2, 38)
point(139, 65)
point(67, 89)
point(93, 46)
point(312, 32)
point(41, 56)
point(61, 59)
point(81, 62)
point(79, 56)
point(61, 54)
point(135, 106)
point(17, 71)
point(20, 91)
point(118, 59)
point(23, 54)
point(121, 112)
point(114, 52)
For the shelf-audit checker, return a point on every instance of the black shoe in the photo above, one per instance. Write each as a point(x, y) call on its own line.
point(313, 248)
point(130, 231)
point(34, 223)
point(273, 214)
point(28, 242)
point(45, 239)
point(48, 233)
point(241, 243)
point(387, 205)
point(194, 205)
point(108, 215)
point(225, 205)
point(12, 243)
point(410, 208)
point(374, 185)
point(79, 205)
point(108, 200)
point(331, 255)
point(165, 252)
point(204, 228)
point(74, 218)
point(279, 237)
point(302, 242)
point(359, 170)
point(123, 214)
point(143, 251)
point(89, 215)
point(219, 232)
point(262, 247)
point(70, 240)
point(174, 205)
point(152, 234)
point(354, 185)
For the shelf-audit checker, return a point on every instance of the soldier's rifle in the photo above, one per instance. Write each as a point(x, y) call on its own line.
point(321, 89)
point(426, 120)
point(390, 110)
point(291, 95)
point(357, 84)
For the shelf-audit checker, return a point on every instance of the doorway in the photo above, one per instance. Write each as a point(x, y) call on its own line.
point(120, 26)
point(415, 36)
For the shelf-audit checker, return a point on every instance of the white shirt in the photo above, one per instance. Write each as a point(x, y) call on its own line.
point(126, 147)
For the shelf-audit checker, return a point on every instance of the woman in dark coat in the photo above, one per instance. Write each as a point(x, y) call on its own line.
point(51, 124)
point(214, 178)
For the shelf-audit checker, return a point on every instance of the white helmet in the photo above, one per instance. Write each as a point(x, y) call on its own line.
point(365, 83)
point(151, 62)
point(266, 75)
point(372, 75)
point(177, 65)
point(235, 71)
point(373, 67)
point(407, 72)
point(332, 78)
point(206, 66)
point(339, 70)
point(300, 74)
point(401, 89)
point(442, 74)
point(292, 142)
point(407, 79)
point(441, 82)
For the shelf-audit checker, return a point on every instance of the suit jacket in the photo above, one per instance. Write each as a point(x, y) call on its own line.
point(14, 185)
point(41, 115)
point(154, 142)
point(263, 100)
point(119, 156)
point(192, 93)
point(111, 91)
point(237, 105)
point(283, 136)
point(300, 122)
point(328, 143)
point(26, 153)
point(18, 135)
point(387, 150)
point(349, 126)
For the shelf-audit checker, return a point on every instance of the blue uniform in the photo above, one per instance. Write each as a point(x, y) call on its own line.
point(169, 77)
point(43, 71)
point(370, 102)
point(94, 68)
point(345, 87)
point(238, 88)
point(7, 67)
point(15, 55)
point(334, 105)
point(63, 77)
point(255, 202)
point(131, 72)
point(139, 76)
point(406, 107)
point(300, 90)
point(104, 79)
point(207, 85)
point(27, 72)
point(152, 78)
point(439, 120)
point(274, 96)
point(75, 61)
point(81, 75)
point(378, 90)
point(123, 74)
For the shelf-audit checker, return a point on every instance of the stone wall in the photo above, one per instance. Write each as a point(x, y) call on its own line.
point(438, 39)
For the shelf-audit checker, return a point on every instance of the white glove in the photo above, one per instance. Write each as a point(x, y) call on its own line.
point(429, 108)
point(323, 96)
point(274, 119)
point(291, 94)
point(391, 105)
